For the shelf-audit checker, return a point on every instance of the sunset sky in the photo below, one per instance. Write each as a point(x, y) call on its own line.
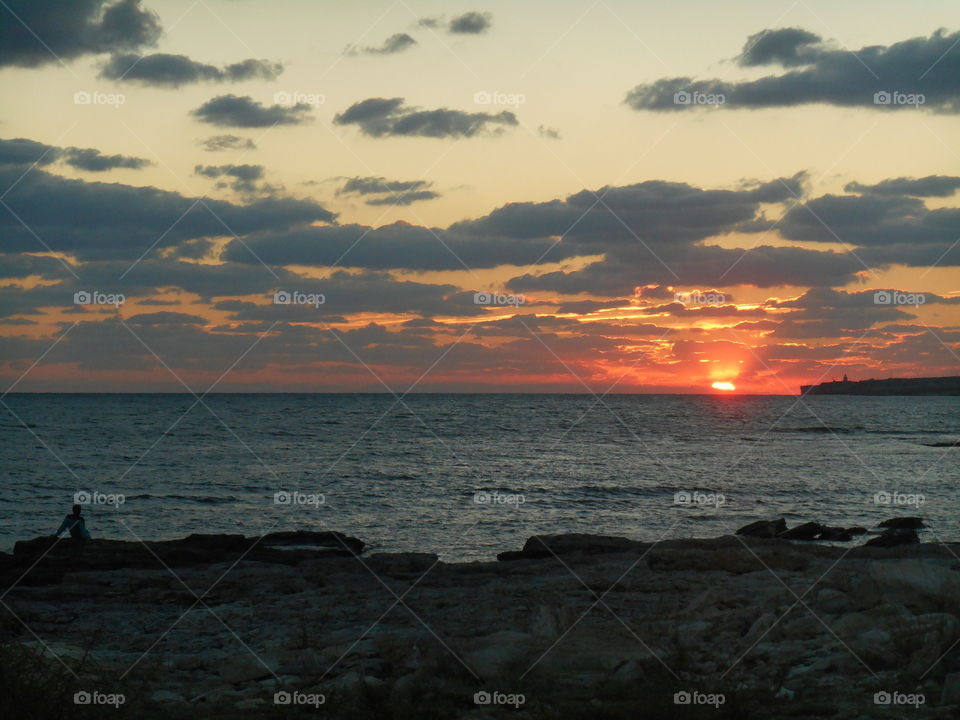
point(571, 196)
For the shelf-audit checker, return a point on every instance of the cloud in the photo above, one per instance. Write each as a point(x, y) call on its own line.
point(891, 77)
point(786, 47)
point(471, 23)
point(36, 33)
point(245, 112)
point(930, 186)
point(166, 318)
point(643, 233)
point(388, 192)
point(245, 177)
point(883, 228)
point(165, 70)
point(219, 143)
point(111, 220)
point(392, 45)
point(399, 245)
point(94, 161)
point(548, 132)
point(382, 117)
point(21, 152)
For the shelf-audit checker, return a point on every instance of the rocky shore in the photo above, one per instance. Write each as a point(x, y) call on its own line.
point(302, 624)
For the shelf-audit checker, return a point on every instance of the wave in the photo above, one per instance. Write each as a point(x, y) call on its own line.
point(192, 498)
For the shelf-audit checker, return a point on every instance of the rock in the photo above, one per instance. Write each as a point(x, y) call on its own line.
point(764, 528)
point(242, 668)
point(401, 563)
point(913, 523)
point(47, 559)
point(915, 583)
point(833, 601)
point(892, 537)
point(497, 653)
point(951, 690)
point(807, 531)
point(166, 696)
point(857, 530)
point(759, 628)
point(835, 534)
point(550, 545)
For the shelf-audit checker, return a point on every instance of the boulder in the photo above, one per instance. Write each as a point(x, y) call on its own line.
point(892, 537)
point(764, 528)
point(835, 534)
point(913, 523)
point(924, 584)
point(807, 531)
point(545, 546)
point(45, 560)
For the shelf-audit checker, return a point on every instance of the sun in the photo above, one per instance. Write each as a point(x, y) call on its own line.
point(723, 386)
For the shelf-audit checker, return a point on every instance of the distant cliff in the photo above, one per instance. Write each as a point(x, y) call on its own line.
point(890, 386)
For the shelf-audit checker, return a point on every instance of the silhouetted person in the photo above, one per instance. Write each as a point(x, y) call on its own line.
point(75, 524)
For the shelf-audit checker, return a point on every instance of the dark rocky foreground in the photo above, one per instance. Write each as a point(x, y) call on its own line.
point(569, 626)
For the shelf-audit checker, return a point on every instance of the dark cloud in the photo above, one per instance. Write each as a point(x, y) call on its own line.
point(884, 228)
point(821, 73)
point(244, 178)
point(930, 186)
point(471, 23)
point(786, 47)
point(403, 198)
point(396, 246)
point(548, 132)
point(392, 45)
point(21, 152)
point(381, 117)
point(94, 161)
point(219, 143)
point(165, 70)
point(166, 318)
point(245, 112)
point(382, 191)
point(112, 220)
point(36, 33)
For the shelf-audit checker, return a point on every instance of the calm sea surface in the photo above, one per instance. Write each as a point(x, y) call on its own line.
point(467, 476)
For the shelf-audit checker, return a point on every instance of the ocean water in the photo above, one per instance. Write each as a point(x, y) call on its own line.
point(467, 476)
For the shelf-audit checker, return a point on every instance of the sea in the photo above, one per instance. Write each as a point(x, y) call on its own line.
point(468, 476)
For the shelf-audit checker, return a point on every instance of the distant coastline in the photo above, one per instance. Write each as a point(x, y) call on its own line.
point(890, 386)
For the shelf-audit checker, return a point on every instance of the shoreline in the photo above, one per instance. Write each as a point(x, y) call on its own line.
point(577, 625)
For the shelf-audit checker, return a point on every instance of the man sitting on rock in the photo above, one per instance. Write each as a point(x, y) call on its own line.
point(75, 524)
